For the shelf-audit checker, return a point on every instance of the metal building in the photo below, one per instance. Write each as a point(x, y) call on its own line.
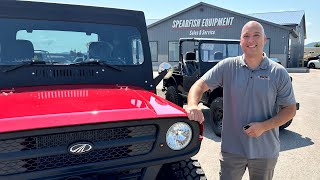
point(285, 32)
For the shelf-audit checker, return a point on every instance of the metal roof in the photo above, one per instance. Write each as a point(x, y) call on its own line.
point(282, 18)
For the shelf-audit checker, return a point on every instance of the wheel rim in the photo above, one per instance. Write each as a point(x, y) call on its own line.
point(312, 65)
point(218, 114)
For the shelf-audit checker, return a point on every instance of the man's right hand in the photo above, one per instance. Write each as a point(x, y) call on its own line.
point(194, 96)
point(195, 113)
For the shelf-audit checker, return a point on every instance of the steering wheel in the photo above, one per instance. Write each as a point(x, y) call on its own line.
point(78, 59)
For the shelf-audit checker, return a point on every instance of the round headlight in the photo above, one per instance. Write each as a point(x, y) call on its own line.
point(179, 136)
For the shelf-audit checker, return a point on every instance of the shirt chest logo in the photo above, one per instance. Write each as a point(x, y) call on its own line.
point(262, 77)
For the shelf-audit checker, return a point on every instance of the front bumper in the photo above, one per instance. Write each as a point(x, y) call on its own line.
point(127, 147)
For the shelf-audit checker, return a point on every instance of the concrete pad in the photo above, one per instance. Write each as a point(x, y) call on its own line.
point(298, 70)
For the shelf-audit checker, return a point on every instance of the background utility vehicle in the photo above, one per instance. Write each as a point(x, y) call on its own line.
point(196, 57)
point(77, 98)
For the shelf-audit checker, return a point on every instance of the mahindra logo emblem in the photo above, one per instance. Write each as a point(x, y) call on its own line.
point(80, 148)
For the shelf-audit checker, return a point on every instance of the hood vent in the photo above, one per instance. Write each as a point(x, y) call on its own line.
point(63, 94)
point(64, 73)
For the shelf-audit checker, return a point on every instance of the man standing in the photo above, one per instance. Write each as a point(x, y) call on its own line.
point(253, 89)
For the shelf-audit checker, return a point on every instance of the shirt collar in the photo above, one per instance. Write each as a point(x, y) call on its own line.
point(263, 65)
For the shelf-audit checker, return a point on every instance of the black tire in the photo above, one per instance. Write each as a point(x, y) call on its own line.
point(287, 124)
point(173, 96)
point(216, 115)
point(189, 169)
point(312, 66)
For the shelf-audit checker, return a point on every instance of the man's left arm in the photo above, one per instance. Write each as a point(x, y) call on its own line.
point(287, 102)
point(284, 115)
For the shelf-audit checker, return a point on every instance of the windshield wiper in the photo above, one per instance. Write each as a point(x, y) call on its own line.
point(25, 63)
point(97, 62)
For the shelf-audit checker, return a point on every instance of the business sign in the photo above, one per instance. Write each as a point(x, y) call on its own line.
point(202, 26)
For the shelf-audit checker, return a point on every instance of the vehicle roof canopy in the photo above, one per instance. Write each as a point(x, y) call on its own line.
point(66, 12)
point(57, 13)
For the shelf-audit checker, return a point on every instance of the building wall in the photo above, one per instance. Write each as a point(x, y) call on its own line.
point(311, 51)
point(164, 31)
point(297, 47)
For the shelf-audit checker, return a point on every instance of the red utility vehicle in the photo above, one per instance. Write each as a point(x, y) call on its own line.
point(90, 110)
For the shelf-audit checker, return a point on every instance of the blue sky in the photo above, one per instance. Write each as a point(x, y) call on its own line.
point(163, 8)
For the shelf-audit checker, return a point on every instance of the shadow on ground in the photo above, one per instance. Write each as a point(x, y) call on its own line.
point(208, 132)
point(288, 139)
point(292, 140)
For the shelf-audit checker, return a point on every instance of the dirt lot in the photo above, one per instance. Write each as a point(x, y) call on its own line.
point(300, 150)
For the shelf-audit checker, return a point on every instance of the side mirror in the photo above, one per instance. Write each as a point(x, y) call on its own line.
point(165, 66)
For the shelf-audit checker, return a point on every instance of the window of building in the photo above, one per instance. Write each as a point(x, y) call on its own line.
point(289, 50)
point(173, 51)
point(154, 50)
point(266, 48)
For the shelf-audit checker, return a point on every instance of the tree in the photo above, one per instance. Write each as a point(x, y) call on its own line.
point(317, 45)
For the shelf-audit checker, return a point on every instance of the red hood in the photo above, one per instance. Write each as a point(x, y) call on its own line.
point(44, 107)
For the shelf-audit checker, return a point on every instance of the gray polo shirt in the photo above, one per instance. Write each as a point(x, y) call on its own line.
point(250, 96)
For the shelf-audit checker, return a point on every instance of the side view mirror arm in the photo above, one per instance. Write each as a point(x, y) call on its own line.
point(159, 78)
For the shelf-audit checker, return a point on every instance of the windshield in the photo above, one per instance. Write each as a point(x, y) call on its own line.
point(65, 43)
point(213, 52)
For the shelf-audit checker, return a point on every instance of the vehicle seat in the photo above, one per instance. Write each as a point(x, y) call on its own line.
point(23, 50)
point(218, 55)
point(100, 50)
point(190, 63)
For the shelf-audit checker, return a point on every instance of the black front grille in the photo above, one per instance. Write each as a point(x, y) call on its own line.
point(66, 159)
point(54, 140)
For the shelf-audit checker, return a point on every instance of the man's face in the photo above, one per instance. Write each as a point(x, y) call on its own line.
point(252, 40)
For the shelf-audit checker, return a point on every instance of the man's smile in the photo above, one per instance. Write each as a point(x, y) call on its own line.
point(252, 46)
